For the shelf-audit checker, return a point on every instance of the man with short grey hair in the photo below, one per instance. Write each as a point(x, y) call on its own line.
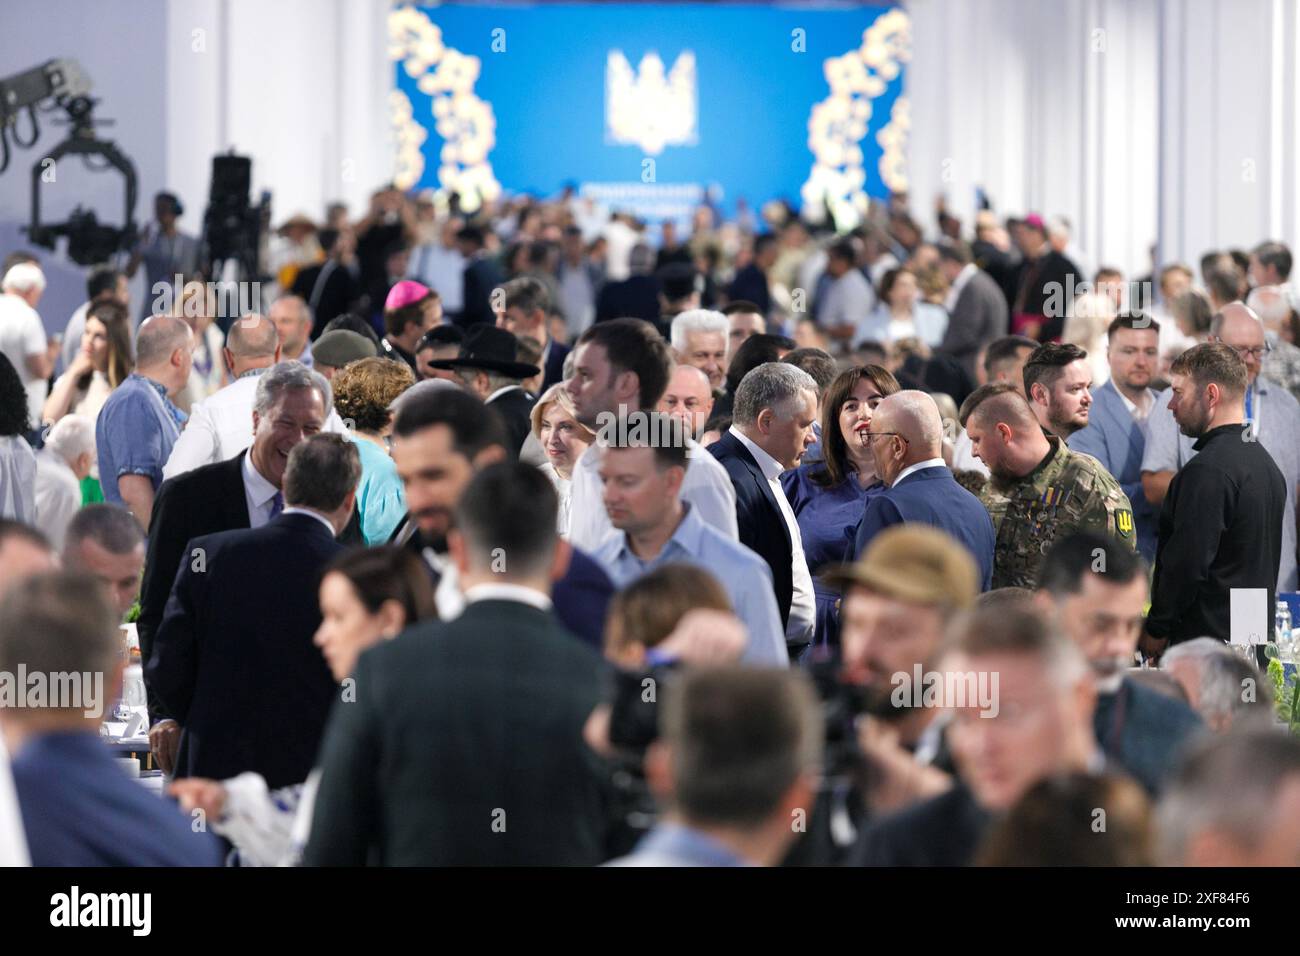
point(1234, 802)
point(249, 594)
point(772, 427)
point(1228, 692)
point(106, 542)
point(66, 459)
point(290, 403)
point(699, 338)
point(219, 426)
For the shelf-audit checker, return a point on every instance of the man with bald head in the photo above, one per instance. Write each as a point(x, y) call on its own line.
point(138, 425)
point(688, 398)
point(220, 426)
point(1271, 412)
point(1040, 490)
point(906, 441)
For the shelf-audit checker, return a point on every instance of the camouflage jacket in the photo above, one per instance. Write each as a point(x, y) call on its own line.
point(1068, 492)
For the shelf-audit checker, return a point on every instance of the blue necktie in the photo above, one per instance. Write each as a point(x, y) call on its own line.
point(277, 505)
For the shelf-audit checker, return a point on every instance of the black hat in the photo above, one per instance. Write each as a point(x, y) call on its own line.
point(491, 349)
point(439, 336)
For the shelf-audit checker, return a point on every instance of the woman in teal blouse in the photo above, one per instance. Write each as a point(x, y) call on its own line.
point(363, 392)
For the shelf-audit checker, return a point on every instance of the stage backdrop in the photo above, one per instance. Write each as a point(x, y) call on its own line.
point(649, 108)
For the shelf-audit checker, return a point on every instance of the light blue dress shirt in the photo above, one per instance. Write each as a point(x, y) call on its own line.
point(743, 575)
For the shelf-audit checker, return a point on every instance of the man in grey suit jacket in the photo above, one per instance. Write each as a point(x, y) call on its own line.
point(976, 307)
point(1116, 434)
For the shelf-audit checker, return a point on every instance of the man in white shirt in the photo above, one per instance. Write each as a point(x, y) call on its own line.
point(848, 298)
point(221, 426)
point(776, 405)
point(621, 369)
point(22, 334)
point(65, 460)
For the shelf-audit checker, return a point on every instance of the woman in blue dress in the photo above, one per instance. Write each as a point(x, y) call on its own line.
point(829, 495)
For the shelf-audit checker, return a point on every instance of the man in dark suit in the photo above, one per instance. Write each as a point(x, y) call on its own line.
point(482, 275)
point(291, 404)
point(772, 419)
point(750, 283)
point(233, 661)
point(465, 745)
point(77, 807)
point(1097, 589)
point(440, 439)
point(1046, 276)
point(1026, 668)
point(487, 366)
point(977, 310)
point(635, 297)
point(525, 311)
point(329, 289)
point(1116, 434)
point(906, 439)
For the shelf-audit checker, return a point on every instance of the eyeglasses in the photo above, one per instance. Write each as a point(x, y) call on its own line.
point(1256, 353)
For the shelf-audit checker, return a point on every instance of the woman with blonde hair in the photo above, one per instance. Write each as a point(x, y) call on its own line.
point(564, 439)
point(364, 390)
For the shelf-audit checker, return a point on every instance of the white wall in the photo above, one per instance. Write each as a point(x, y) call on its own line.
point(299, 85)
point(1081, 107)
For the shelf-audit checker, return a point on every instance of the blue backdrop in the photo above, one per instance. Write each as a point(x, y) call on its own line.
point(566, 93)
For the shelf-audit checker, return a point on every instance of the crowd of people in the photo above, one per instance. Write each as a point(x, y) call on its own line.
point(534, 537)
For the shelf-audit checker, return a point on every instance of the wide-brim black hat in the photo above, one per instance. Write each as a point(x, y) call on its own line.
point(491, 349)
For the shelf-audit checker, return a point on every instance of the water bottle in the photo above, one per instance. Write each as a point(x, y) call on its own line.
point(1282, 632)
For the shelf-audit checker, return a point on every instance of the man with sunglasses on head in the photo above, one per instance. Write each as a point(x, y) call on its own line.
point(906, 440)
point(1272, 418)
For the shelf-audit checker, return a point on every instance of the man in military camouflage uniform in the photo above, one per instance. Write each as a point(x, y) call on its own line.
point(1040, 490)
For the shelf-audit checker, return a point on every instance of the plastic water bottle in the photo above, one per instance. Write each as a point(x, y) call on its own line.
point(1282, 632)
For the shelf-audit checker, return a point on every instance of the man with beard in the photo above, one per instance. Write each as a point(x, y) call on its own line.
point(1036, 724)
point(1058, 384)
point(1040, 490)
point(1271, 411)
point(1096, 589)
point(441, 439)
point(1221, 522)
point(897, 602)
point(1117, 422)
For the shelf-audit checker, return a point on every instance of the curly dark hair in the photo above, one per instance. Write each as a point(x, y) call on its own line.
point(13, 401)
point(364, 389)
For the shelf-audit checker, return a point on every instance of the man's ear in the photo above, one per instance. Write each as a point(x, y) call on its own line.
point(277, 356)
point(1004, 432)
point(560, 562)
point(659, 770)
point(764, 421)
point(228, 359)
point(459, 551)
point(626, 385)
point(1037, 394)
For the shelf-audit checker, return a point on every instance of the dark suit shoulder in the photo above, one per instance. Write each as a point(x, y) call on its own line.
point(1166, 717)
point(941, 831)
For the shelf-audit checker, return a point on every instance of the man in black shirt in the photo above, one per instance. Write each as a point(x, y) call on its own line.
point(1221, 524)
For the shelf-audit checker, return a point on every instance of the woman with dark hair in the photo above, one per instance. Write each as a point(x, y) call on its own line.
point(754, 351)
point(367, 595)
point(17, 460)
point(104, 361)
point(902, 313)
point(828, 496)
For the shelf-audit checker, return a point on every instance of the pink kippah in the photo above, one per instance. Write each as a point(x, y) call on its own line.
point(404, 293)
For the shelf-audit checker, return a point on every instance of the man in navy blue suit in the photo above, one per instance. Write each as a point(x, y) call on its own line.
point(78, 808)
point(1117, 423)
point(233, 660)
point(906, 438)
point(772, 419)
point(525, 309)
point(441, 440)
